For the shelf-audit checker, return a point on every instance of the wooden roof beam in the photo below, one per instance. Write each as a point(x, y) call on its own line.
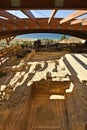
point(84, 23)
point(12, 23)
point(42, 25)
point(5, 23)
point(44, 4)
point(2, 20)
point(77, 21)
point(11, 16)
point(73, 16)
point(7, 15)
point(30, 15)
point(52, 15)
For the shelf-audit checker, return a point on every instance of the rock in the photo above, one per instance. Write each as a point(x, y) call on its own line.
point(3, 87)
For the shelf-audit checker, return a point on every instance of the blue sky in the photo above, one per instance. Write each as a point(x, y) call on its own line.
point(43, 13)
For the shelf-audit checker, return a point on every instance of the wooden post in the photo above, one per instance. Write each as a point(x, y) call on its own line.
point(8, 39)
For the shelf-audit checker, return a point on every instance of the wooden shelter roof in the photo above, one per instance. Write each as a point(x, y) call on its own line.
point(12, 25)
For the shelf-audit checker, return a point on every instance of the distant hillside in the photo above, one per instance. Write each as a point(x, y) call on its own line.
point(72, 40)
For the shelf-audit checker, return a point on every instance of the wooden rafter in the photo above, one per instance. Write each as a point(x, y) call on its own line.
point(9, 24)
point(52, 15)
point(8, 39)
point(73, 16)
point(11, 21)
point(43, 27)
point(77, 21)
point(7, 15)
point(79, 34)
point(17, 22)
point(3, 20)
point(30, 15)
point(42, 24)
point(84, 23)
point(5, 23)
point(12, 17)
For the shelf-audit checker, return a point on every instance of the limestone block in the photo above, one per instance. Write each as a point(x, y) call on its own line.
point(3, 87)
point(4, 93)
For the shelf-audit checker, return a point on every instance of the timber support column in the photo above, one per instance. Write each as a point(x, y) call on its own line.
point(8, 39)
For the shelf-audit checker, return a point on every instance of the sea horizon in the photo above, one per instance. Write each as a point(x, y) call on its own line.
point(51, 36)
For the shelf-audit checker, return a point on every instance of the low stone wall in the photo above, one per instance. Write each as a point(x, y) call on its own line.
point(76, 104)
point(5, 92)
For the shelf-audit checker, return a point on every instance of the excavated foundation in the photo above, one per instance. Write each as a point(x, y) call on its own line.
point(48, 109)
point(41, 107)
point(45, 105)
point(45, 95)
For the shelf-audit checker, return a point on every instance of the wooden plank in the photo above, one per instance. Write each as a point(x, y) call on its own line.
point(73, 16)
point(77, 21)
point(7, 15)
point(52, 15)
point(84, 23)
point(30, 15)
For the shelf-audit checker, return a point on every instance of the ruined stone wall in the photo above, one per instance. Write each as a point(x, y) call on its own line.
point(76, 103)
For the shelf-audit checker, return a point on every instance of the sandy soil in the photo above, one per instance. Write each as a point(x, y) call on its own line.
point(44, 56)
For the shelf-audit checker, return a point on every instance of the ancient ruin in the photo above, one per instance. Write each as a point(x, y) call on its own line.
point(49, 94)
point(43, 90)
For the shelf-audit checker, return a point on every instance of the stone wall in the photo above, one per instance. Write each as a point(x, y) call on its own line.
point(76, 103)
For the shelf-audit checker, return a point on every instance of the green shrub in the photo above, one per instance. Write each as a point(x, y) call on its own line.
point(63, 37)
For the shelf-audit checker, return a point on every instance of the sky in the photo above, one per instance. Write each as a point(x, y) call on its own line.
point(45, 13)
point(42, 13)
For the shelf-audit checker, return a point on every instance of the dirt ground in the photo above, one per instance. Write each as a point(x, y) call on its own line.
point(44, 56)
point(30, 107)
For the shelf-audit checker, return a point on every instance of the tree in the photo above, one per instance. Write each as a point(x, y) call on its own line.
point(63, 37)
